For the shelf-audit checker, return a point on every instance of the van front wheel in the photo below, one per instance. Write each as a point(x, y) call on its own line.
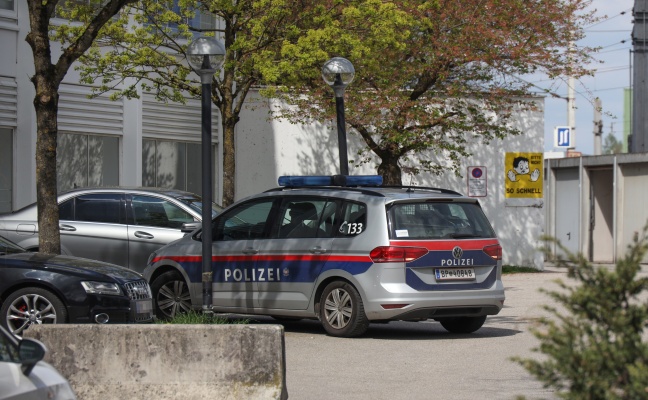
point(171, 295)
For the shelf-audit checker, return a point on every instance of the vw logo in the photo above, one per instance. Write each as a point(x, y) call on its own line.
point(457, 252)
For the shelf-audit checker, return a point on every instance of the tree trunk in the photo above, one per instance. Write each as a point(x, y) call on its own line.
point(229, 161)
point(390, 171)
point(47, 78)
point(46, 82)
point(46, 105)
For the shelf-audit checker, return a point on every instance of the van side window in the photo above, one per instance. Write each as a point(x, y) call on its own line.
point(247, 221)
point(306, 218)
point(354, 220)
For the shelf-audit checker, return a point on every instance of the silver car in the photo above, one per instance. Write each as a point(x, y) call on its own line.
point(116, 225)
point(23, 374)
point(348, 255)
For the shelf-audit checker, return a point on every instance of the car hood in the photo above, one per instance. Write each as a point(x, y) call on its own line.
point(69, 264)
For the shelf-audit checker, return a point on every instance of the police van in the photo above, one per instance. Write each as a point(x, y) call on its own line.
point(345, 250)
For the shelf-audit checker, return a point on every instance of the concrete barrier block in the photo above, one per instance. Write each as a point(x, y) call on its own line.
point(168, 361)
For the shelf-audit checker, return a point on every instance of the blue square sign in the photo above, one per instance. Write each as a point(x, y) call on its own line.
point(563, 137)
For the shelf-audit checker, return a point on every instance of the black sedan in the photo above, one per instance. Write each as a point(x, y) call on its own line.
point(37, 288)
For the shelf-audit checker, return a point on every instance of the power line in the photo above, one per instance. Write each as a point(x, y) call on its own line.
point(608, 19)
point(612, 51)
point(611, 69)
point(608, 89)
point(609, 30)
point(614, 44)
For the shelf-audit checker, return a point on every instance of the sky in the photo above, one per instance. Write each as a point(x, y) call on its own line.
point(608, 83)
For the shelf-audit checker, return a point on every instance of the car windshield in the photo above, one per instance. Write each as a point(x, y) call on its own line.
point(196, 204)
point(9, 247)
point(439, 220)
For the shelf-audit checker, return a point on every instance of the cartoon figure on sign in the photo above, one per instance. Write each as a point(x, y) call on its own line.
point(521, 167)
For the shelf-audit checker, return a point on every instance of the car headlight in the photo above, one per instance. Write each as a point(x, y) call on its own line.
point(101, 288)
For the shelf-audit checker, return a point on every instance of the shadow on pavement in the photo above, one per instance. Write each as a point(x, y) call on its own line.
point(396, 330)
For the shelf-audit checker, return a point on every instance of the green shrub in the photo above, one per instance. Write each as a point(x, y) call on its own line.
point(593, 341)
point(195, 317)
point(515, 269)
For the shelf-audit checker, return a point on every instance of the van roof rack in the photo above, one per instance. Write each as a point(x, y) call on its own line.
point(413, 188)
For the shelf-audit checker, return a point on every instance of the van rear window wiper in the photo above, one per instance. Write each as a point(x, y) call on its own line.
point(463, 235)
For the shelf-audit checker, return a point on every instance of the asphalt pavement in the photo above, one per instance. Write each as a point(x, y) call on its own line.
point(420, 360)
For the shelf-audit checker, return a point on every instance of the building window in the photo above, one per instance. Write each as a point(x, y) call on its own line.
point(6, 169)
point(203, 20)
point(87, 160)
point(173, 165)
point(7, 5)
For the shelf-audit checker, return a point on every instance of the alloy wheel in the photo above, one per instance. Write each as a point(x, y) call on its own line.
point(338, 308)
point(27, 310)
point(173, 298)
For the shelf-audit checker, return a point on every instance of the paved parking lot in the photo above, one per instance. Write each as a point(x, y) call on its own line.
point(407, 360)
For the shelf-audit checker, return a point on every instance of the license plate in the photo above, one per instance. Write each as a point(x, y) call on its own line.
point(143, 306)
point(455, 274)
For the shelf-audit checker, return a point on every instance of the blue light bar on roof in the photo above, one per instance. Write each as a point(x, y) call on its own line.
point(305, 180)
point(335, 180)
point(362, 180)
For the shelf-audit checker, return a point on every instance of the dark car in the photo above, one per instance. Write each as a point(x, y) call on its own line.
point(120, 225)
point(37, 288)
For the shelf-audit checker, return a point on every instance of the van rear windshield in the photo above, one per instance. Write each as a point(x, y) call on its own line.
point(438, 220)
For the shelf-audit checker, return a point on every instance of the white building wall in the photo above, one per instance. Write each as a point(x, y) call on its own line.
point(129, 120)
point(267, 149)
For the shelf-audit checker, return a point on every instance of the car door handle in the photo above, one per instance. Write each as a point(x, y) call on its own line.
point(143, 235)
point(67, 228)
point(317, 250)
point(250, 251)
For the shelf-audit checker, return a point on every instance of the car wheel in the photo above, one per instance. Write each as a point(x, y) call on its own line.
point(29, 306)
point(463, 324)
point(341, 310)
point(171, 295)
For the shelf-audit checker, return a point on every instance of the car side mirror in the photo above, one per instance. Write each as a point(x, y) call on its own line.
point(190, 226)
point(30, 351)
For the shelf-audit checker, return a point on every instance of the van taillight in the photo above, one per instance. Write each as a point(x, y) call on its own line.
point(387, 254)
point(494, 251)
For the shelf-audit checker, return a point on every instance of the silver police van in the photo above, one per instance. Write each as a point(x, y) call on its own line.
point(345, 250)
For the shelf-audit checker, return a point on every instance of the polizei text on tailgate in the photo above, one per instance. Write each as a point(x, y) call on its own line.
point(454, 262)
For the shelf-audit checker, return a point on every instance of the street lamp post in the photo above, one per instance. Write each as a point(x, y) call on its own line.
point(206, 56)
point(338, 73)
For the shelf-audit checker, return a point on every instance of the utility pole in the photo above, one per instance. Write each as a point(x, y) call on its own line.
point(598, 127)
point(639, 141)
point(571, 101)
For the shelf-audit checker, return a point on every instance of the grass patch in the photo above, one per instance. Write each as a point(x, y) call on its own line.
point(515, 269)
point(196, 317)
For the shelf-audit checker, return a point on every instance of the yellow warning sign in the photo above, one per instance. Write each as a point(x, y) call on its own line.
point(523, 175)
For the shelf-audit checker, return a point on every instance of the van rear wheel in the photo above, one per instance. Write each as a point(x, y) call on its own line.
point(341, 310)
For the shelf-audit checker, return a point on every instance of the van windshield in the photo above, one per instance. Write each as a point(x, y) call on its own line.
point(438, 220)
